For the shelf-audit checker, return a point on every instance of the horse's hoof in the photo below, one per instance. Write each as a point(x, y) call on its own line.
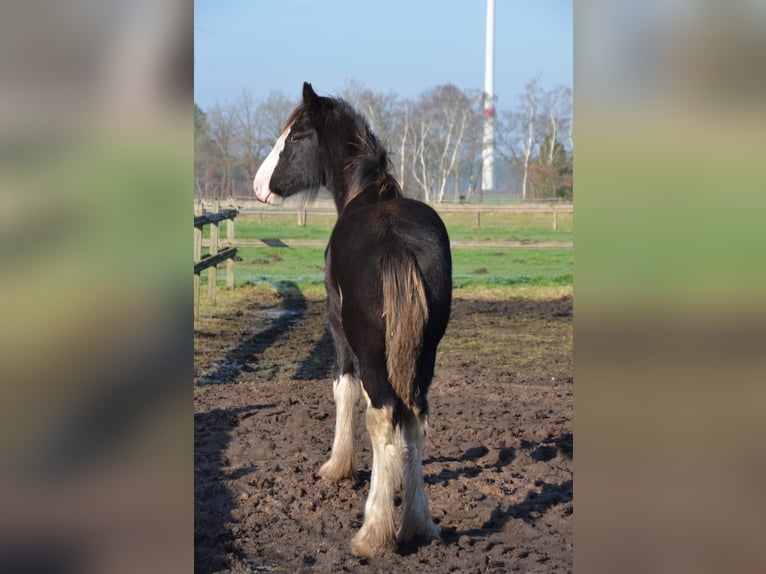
point(333, 472)
point(365, 544)
point(424, 533)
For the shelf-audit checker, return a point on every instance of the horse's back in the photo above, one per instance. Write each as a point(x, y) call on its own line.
point(364, 236)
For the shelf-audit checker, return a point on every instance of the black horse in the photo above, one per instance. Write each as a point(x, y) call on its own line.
point(389, 292)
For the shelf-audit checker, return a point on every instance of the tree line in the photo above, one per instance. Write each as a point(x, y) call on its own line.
point(434, 141)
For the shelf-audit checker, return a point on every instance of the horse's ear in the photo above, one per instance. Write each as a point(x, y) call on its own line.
point(312, 103)
point(308, 94)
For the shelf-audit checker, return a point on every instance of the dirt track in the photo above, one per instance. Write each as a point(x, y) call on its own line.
point(498, 461)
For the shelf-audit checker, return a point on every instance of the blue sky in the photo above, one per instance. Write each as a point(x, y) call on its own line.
point(404, 46)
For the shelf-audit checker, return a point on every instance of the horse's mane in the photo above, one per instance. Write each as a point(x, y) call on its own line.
point(299, 109)
point(370, 169)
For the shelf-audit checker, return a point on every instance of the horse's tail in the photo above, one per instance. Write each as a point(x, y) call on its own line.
point(405, 310)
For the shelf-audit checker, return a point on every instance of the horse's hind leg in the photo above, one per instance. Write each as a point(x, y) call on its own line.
point(341, 464)
point(416, 518)
point(378, 531)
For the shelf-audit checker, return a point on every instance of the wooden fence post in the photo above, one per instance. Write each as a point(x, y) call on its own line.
point(212, 271)
point(555, 220)
point(230, 261)
point(478, 219)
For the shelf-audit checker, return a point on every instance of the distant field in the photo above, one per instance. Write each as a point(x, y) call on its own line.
point(509, 227)
point(461, 227)
point(472, 268)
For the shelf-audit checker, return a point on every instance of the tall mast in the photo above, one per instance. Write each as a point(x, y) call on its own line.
point(488, 141)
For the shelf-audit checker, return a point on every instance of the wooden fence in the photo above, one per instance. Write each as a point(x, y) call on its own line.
point(253, 207)
point(218, 251)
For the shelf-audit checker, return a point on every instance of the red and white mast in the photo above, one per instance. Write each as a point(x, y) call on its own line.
point(488, 141)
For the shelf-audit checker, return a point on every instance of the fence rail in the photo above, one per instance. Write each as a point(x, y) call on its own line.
point(322, 243)
point(214, 217)
point(210, 260)
point(323, 207)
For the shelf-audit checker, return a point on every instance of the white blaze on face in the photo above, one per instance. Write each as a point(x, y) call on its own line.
point(264, 173)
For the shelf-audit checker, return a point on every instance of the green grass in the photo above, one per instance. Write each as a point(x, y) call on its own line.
point(511, 267)
point(303, 266)
point(284, 227)
point(473, 269)
point(461, 227)
point(509, 227)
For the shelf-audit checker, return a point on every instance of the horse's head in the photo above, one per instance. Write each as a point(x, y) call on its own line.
point(294, 164)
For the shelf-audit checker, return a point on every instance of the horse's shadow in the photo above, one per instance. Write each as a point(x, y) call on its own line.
point(319, 363)
point(243, 358)
point(550, 495)
point(213, 540)
point(542, 451)
point(505, 457)
point(536, 502)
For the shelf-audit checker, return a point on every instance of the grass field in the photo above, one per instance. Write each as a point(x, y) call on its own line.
point(473, 269)
point(461, 227)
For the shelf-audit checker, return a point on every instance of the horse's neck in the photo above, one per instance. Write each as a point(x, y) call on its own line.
point(337, 173)
point(339, 187)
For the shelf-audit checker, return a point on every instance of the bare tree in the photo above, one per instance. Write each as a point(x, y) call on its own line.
point(467, 169)
point(442, 116)
point(379, 109)
point(518, 133)
point(257, 126)
point(249, 135)
point(421, 163)
point(222, 124)
point(530, 108)
point(201, 151)
point(557, 113)
point(508, 136)
point(402, 131)
point(273, 112)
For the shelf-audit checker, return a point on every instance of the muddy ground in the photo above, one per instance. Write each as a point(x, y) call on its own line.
point(497, 465)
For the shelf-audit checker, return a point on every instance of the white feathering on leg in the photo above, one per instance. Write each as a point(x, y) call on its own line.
point(342, 460)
